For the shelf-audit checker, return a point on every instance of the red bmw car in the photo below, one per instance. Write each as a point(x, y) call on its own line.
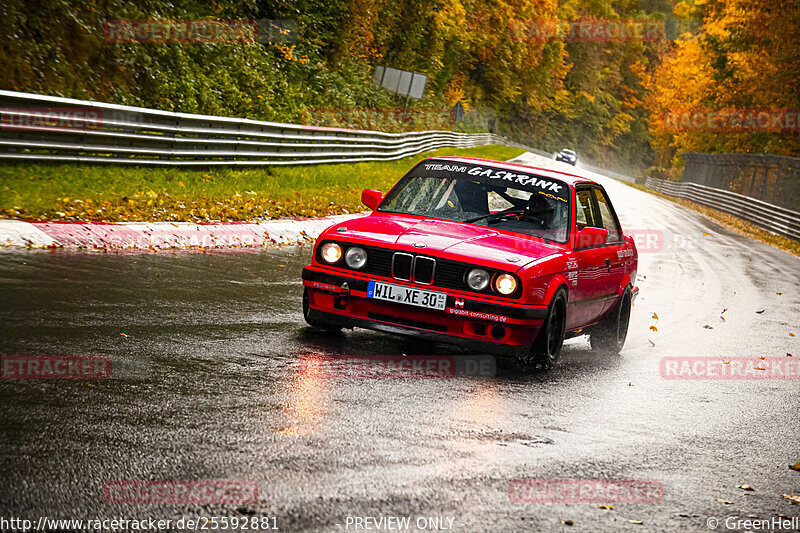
point(497, 257)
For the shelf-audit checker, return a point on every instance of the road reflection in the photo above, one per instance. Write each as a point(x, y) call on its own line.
point(480, 406)
point(306, 399)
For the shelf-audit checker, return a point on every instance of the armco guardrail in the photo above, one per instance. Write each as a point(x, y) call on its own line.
point(47, 128)
point(768, 216)
point(769, 178)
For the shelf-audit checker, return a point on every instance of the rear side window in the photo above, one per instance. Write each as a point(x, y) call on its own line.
point(608, 220)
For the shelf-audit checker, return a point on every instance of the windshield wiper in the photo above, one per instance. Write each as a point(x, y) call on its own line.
point(519, 211)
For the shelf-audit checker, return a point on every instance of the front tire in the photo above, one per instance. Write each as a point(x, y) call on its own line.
point(546, 349)
point(609, 336)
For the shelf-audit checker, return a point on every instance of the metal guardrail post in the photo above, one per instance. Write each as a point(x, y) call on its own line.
point(753, 173)
point(762, 191)
point(778, 182)
point(793, 192)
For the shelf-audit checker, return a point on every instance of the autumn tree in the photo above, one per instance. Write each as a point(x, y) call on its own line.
point(744, 58)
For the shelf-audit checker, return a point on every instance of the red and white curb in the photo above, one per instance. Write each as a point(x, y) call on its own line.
point(162, 235)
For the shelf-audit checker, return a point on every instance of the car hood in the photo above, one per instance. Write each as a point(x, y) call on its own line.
point(450, 240)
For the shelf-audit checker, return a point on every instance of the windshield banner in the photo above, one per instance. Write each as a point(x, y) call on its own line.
point(494, 176)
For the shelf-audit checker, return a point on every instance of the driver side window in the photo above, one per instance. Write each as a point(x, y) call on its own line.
point(585, 212)
point(609, 222)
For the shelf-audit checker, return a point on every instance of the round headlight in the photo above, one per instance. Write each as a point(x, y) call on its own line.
point(477, 279)
point(505, 284)
point(355, 257)
point(331, 252)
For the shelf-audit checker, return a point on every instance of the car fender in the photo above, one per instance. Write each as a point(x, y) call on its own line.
point(626, 281)
point(629, 276)
point(543, 277)
point(556, 282)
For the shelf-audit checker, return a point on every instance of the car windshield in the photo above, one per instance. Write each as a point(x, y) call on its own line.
point(499, 198)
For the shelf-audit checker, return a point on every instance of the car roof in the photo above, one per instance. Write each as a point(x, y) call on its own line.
point(571, 179)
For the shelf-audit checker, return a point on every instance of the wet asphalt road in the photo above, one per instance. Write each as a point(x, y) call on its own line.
point(213, 381)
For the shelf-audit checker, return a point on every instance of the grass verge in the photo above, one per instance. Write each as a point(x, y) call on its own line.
point(742, 227)
point(108, 193)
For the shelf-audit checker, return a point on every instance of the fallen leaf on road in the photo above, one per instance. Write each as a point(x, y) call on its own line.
point(789, 355)
point(722, 317)
point(778, 293)
point(637, 522)
point(651, 342)
point(606, 507)
point(795, 466)
point(762, 357)
point(655, 316)
point(123, 335)
point(759, 312)
point(745, 487)
point(723, 311)
point(726, 362)
point(705, 234)
point(758, 368)
point(708, 327)
point(653, 328)
point(794, 498)
point(791, 334)
point(726, 502)
point(567, 522)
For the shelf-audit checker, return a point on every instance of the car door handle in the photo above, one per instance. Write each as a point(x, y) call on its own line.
point(608, 262)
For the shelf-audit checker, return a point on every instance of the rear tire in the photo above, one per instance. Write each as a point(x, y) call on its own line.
point(546, 349)
point(312, 321)
point(609, 336)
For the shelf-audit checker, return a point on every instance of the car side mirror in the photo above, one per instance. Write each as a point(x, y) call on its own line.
point(371, 199)
point(591, 237)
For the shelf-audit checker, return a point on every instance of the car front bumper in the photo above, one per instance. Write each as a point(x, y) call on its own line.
point(478, 325)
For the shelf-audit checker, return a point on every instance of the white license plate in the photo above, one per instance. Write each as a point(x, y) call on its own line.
point(406, 295)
